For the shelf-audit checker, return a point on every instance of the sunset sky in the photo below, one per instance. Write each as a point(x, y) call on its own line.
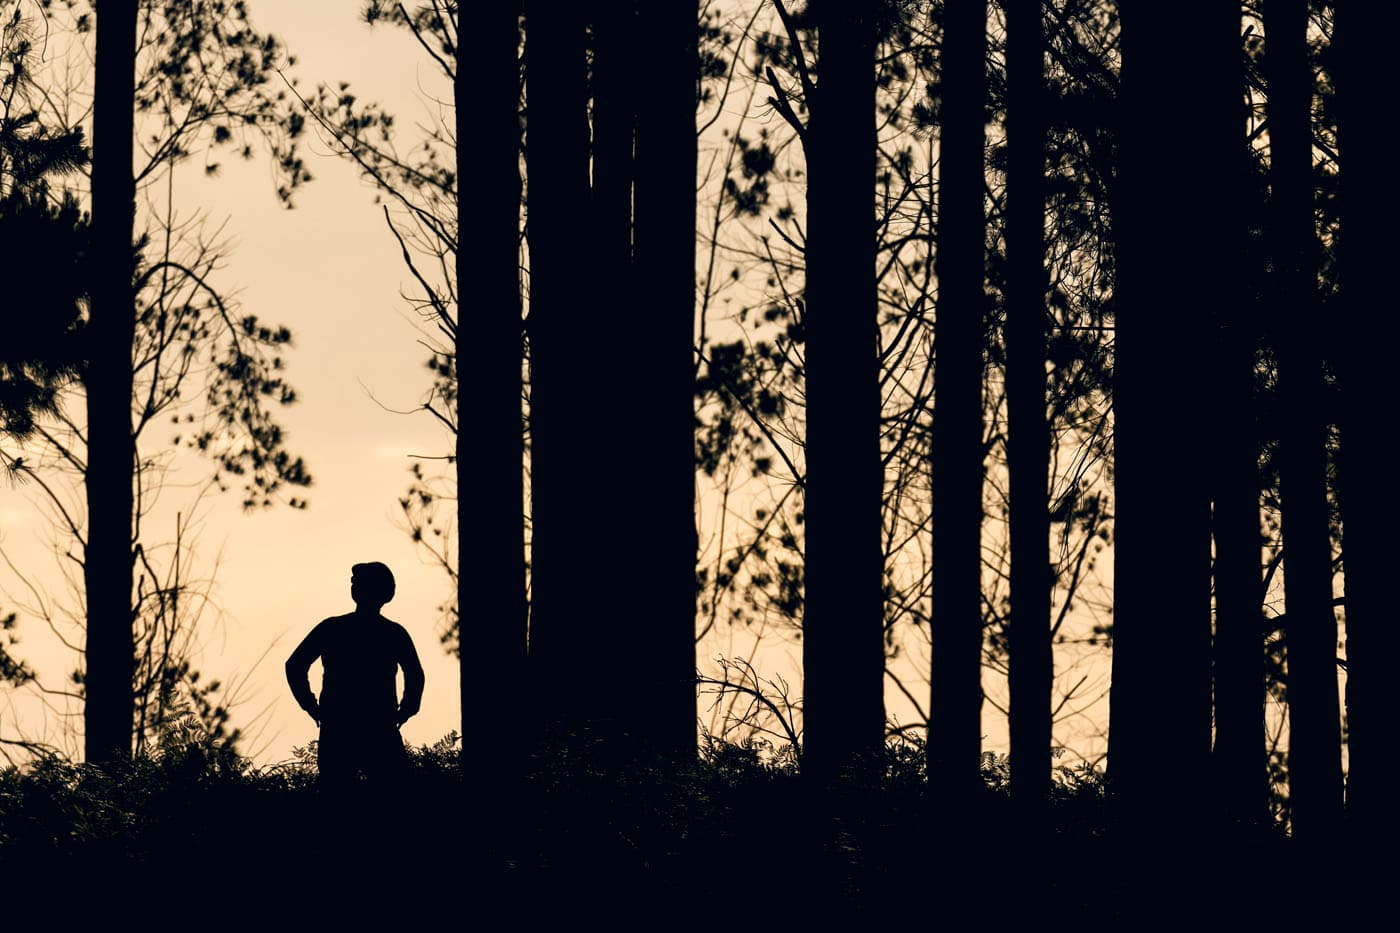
point(331, 272)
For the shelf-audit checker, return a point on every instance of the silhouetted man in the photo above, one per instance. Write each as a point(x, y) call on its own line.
point(359, 711)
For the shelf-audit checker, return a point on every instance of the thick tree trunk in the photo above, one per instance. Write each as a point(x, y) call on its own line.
point(661, 622)
point(1360, 48)
point(566, 561)
point(843, 625)
point(1314, 758)
point(955, 709)
point(107, 563)
point(491, 598)
point(1161, 690)
point(614, 117)
point(1032, 664)
point(1241, 772)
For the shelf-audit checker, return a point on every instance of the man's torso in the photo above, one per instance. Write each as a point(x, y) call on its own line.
point(359, 664)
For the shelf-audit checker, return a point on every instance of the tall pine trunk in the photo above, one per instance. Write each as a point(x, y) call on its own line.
point(662, 622)
point(1160, 705)
point(1032, 664)
point(491, 599)
point(955, 708)
point(843, 626)
point(107, 561)
point(614, 117)
point(617, 635)
point(1314, 756)
point(1360, 49)
point(644, 161)
point(1240, 766)
point(565, 605)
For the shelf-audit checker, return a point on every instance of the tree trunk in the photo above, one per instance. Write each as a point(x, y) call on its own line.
point(1314, 757)
point(843, 625)
point(566, 604)
point(614, 114)
point(622, 643)
point(661, 624)
point(107, 561)
point(1240, 767)
point(955, 709)
point(1360, 49)
point(491, 598)
point(1032, 663)
point(1160, 703)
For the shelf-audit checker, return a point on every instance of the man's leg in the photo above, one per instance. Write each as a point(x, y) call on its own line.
point(384, 805)
point(386, 761)
point(335, 759)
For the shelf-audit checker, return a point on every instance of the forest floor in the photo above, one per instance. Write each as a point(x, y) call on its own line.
point(736, 841)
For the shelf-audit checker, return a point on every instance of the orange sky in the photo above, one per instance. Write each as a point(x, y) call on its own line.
point(330, 271)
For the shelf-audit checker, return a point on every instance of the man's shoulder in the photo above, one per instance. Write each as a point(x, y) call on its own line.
point(395, 627)
point(400, 636)
point(330, 626)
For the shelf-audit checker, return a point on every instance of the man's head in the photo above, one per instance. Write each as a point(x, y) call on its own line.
point(371, 585)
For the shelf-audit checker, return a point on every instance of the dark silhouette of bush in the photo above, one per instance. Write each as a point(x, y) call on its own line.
point(736, 825)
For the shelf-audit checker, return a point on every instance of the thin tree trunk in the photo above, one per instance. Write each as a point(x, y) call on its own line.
point(1314, 757)
point(662, 622)
point(1241, 771)
point(955, 709)
point(1161, 689)
point(107, 562)
point(619, 643)
point(1032, 664)
point(843, 626)
point(491, 599)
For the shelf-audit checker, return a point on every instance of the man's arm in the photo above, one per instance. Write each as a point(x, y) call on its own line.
point(412, 678)
point(299, 671)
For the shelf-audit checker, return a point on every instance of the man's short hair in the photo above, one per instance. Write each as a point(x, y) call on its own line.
point(375, 581)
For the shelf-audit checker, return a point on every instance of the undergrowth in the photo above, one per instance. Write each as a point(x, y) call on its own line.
point(570, 821)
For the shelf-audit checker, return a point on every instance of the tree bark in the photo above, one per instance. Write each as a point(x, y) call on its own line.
point(1160, 704)
point(107, 560)
point(1360, 49)
point(1314, 756)
point(843, 625)
point(1032, 664)
point(661, 622)
point(566, 592)
point(491, 597)
point(955, 709)
point(1240, 760)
